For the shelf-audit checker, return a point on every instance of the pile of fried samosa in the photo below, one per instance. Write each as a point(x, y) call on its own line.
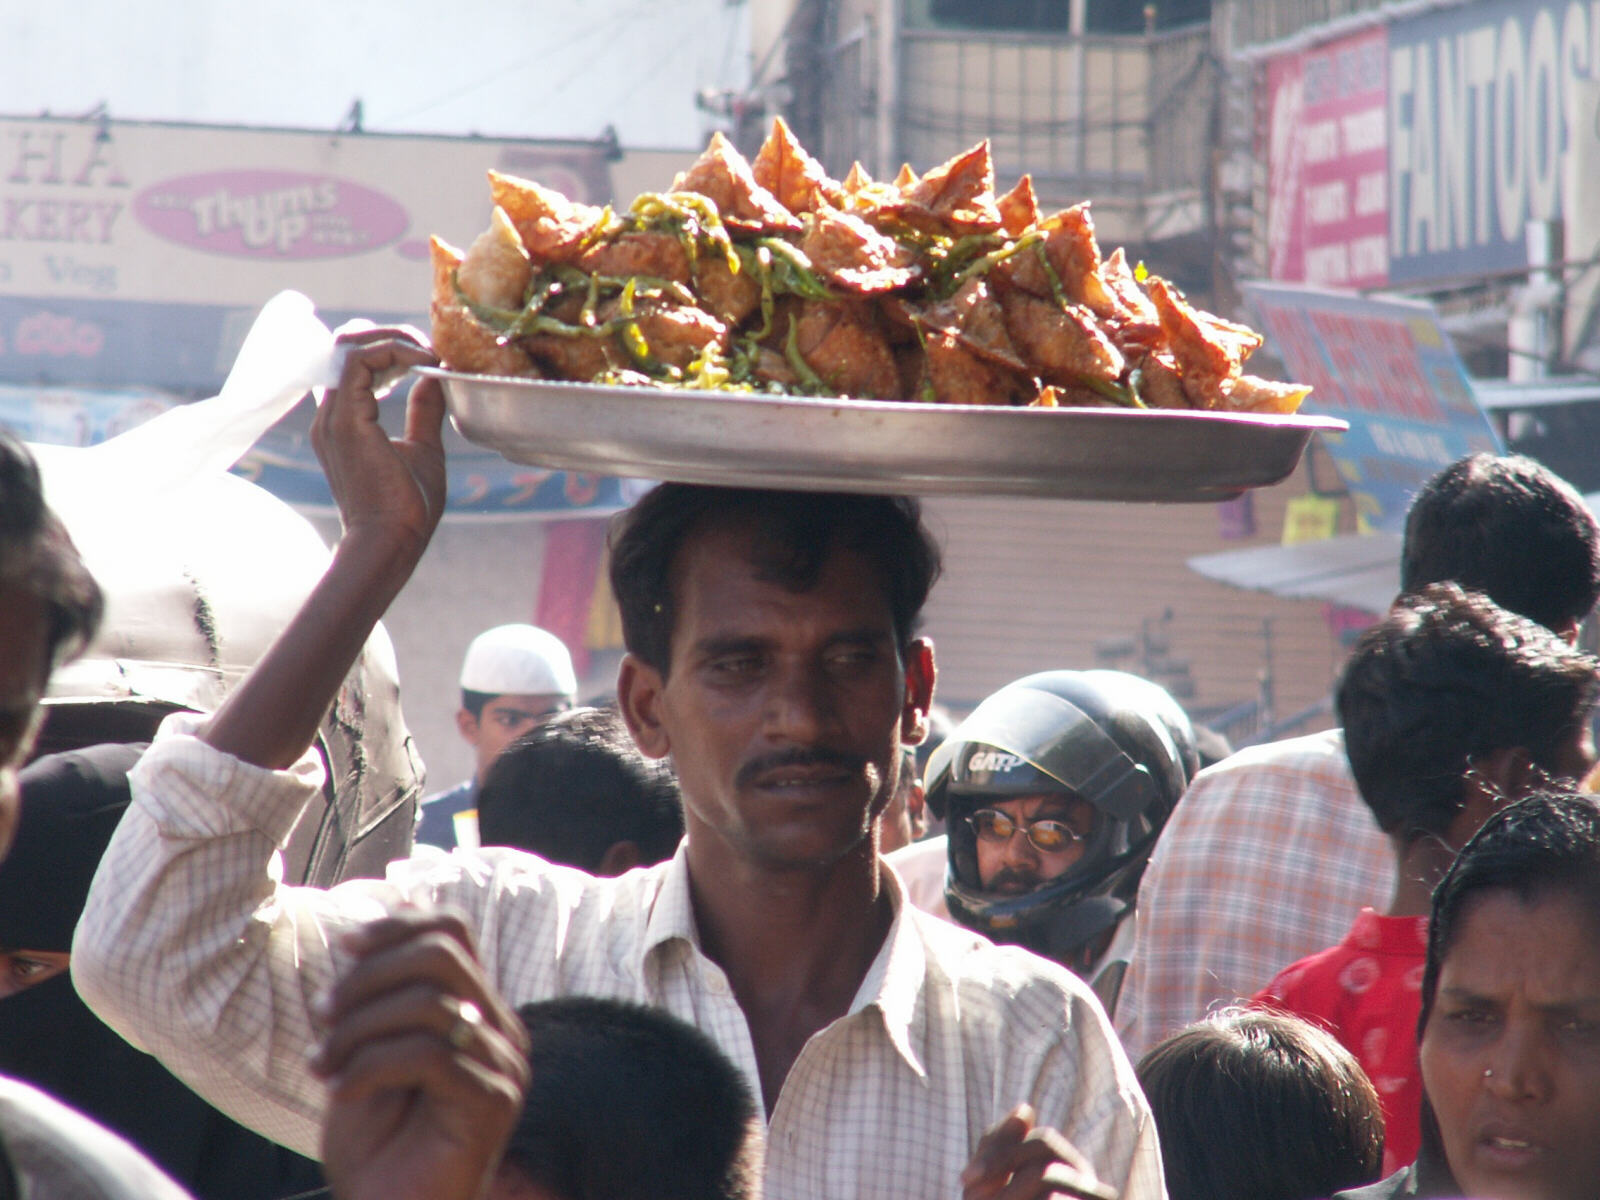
point(771, 277)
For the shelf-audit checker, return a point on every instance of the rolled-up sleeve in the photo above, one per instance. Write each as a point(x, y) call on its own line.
point(191, 950)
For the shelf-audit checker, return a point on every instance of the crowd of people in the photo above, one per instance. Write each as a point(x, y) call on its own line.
point(768, 925)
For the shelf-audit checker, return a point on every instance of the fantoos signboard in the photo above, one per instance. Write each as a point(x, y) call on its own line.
point(1484, 109)
point(132, 252)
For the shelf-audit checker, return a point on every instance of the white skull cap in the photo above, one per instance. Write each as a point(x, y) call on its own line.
point(518, 660)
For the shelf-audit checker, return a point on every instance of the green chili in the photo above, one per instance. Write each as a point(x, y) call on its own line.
point(791, 351)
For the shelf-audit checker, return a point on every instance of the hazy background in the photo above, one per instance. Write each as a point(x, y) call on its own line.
point(551, 68)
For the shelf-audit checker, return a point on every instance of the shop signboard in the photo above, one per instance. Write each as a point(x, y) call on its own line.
point(1581, 229)
point(1325, 134)
point(139, 253)
point(1386, 367)
point(1485, 105)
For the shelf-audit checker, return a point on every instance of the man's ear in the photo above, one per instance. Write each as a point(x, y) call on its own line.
point(639, 687)
point(920, 676)
point(1495, 780)
point(619, 857)
point(917, 809)
point(1520, 775)
point(467, 726)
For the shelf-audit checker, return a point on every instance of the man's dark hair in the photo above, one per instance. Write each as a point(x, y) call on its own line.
point(797, 532)
point(37, 555)
point(572, 788)
point(1261, 1104)
point(630, 1103)
point(1447, 677)
point(1508, 527)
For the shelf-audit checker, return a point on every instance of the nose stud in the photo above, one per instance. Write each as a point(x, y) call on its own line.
point(1488, 1072)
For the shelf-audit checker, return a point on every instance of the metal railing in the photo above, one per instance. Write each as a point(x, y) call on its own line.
point(1097, 114)
point(1259, 21)
point(1248, 724)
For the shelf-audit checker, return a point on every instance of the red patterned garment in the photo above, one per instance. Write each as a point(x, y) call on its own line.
point(1367, 992)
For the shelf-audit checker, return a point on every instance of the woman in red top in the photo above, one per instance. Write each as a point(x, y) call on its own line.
point(1452, 708)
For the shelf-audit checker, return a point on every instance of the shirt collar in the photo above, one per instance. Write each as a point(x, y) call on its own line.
point(672, 915)
point(892, 985)
point(1375, 932)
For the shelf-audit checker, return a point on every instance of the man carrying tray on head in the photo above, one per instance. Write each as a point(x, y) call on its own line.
point(772, 654)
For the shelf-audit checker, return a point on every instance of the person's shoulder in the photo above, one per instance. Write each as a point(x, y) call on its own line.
point(1311, 749)
point(918, 852)
point(921, 860)
point(520, 879)
point(102, 766)
point(450, 800)
point(1300, 985)
point(56, 1152)
point(1306, 767)
point(971, 964)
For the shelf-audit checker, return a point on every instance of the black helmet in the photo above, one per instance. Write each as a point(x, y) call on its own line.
point(1115, 740)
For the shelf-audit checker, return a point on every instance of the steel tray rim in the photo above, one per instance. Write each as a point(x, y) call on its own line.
point(883, 446)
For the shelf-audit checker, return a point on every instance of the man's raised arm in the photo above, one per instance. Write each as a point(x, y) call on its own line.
point(390, 494)
point(188, 944)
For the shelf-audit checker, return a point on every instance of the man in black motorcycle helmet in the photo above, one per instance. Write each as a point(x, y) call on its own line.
point(1054, 791)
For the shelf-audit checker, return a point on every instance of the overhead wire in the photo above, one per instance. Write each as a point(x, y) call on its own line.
point(608, 28)
point(661, 62)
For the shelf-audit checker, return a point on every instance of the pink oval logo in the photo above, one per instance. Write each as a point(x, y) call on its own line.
point(280, 215)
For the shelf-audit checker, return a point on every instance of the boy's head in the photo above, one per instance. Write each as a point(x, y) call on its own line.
point(628, 1103)
point(1450, 695)
point(512, 678)
point(577, 791)
point(1510, 528)
point(1262, 1104)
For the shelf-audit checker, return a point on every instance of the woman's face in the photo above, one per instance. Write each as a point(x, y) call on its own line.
point(1511, 1053)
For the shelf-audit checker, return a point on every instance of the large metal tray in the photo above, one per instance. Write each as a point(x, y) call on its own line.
point(737, 439)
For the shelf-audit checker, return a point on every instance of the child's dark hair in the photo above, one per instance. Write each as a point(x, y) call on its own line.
point(1261, 1104)
point(572, 788)
point(630, 1103)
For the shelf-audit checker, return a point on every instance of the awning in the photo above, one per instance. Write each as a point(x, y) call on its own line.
point(1493, 394)
point(1358, 570)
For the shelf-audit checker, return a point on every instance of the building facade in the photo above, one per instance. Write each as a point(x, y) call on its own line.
point(1124, 105)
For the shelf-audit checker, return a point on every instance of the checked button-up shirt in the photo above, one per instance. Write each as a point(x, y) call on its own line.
point(192, 948)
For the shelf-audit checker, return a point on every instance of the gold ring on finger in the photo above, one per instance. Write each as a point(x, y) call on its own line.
point(467, 1020)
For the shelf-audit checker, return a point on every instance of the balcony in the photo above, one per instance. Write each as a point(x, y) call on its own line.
point(1122, 120)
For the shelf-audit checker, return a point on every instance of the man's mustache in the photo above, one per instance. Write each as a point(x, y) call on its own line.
point(1025, 881)
point(798, 756)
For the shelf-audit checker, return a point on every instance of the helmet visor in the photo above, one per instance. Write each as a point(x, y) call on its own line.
point(1053, 736)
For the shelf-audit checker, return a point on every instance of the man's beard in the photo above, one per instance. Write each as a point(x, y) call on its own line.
point(1012, 882)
